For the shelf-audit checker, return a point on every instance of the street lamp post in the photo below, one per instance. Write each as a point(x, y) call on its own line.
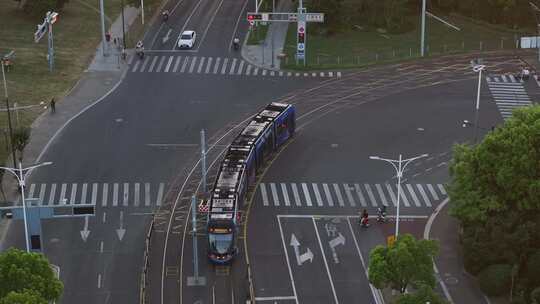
point(21, 174)
point(400, 165)
point(477, 68)
point(9, 117)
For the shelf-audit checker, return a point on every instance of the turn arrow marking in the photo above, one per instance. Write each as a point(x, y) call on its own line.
point(121, 231)
point(85, 232)
point(300, 258)
point(339, 240)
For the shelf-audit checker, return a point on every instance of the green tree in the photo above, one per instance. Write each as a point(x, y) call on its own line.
point(501, 174)
point(407, 262)
point(423, 295)
point(21, 271)
point(23, 297)
point(21, 136)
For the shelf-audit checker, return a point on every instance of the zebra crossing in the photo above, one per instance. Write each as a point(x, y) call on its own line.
point(350, 195)
point(97, 194)
point(213, 66)
point(508, 93)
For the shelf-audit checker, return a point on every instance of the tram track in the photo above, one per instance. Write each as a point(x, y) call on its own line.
point(313, 102)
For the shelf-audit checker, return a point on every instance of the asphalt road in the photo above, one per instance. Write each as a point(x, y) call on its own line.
point(308, 201)
point(125, 155)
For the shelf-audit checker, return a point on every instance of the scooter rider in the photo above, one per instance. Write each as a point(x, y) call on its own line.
point(364, 219)
point(236, 43)
point(139, 49)
point(381, 214)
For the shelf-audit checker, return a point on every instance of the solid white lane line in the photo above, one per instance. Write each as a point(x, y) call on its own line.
point(306, 194)
point(115, 195)
point(432, 191)
point(287, 257)
point(184, 26)
point(404, 199)
point(240, 67)
point(176, 63)
point(224, 66)
point(73, 193)
point(328, 195)
point(184, 64)
point(392, 195)
point(99, 281)
point(147, 194)
point(101, 247)
point(324, 259)
point(338, 195)
point(42, 194)
point(201, 64)
point(145, 62)
point(441, 188)
point(193, 62)
point(169, 64)
point(135, 66)
point(160, 64)
point(261, 299)
point(62, 194)
point(348, 192)
point(413, 195)
point(376, 294)
point(84, 190)
point(137, 192)
point(296, 195)
point(423, 194)
point(233, 65)
point(208, 65)
point(160, 194)
point(104, 195)
point(381, 194)
point(370, 195)
point(51, 195)
point(209, 23)
point(274, 194)
point(318, 197)
point(285, 194)
point(151, 69)
point(360, 195)
point(31, 192)
point(264, 194)
point(126, 194)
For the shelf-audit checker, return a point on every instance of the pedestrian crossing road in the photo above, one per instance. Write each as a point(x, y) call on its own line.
point(97, 194)
point(212, 65)
point(336, 195)
point(508, 93)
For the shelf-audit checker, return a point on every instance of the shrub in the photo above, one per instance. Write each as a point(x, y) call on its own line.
point(495, 280)
point(535, 295)
point(533, 264)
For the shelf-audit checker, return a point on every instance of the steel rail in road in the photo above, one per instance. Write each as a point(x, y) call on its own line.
point(307, 103)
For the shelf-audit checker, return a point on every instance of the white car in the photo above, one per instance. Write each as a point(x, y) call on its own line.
point(187, 39)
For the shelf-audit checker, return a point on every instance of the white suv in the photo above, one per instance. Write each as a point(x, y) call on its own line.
point(187, 39)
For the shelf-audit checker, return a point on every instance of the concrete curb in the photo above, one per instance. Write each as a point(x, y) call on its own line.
point(246, 58)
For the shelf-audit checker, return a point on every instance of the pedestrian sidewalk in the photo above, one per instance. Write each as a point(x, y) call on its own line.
point(261, 55)
point(457, 284)
point(101, 78)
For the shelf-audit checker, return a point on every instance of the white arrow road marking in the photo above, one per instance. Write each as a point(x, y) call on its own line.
point(121, 231)
point(85, 232)
point(167, 36)
point(339, 240)
point(300, 258)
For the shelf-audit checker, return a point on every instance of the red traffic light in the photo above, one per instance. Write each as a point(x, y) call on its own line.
point(254, 16)
point(301, 37)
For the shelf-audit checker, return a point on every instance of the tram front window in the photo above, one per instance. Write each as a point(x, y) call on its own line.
point(220, 243)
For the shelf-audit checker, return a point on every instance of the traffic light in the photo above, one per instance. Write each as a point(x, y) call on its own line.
point(301, 37)
point(251, 17)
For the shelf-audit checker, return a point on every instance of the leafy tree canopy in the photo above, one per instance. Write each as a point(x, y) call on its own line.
point(423, 295)
point(502, 173)
point(21, 272)
point(23, 297)
point(407, 261)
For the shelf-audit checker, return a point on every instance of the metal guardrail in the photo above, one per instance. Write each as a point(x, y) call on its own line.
point(146, 264)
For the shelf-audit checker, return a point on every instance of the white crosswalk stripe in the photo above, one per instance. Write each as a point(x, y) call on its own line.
point(105, 194)
point(508, 93)
point(322, 195)
point(209, 65)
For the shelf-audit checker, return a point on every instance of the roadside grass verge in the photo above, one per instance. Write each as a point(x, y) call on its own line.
point(360, 47)
point(257, 34)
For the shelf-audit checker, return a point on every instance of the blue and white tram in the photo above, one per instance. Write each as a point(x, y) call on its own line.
point(249, 151)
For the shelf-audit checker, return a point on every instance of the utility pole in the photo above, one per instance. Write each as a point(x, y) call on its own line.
point(123, 27)
point(102, 14)
point(9, 117)
point(422, 39)
point(203, 161)
point(195, 280)
point(142, 12)
point(46, 27)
